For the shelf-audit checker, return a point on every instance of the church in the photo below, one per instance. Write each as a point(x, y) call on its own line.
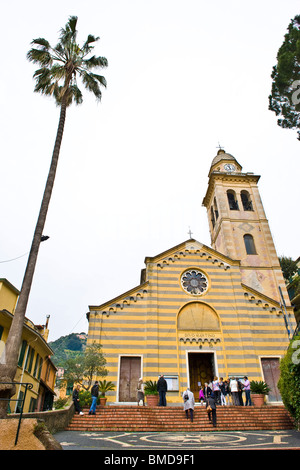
point(201, 311)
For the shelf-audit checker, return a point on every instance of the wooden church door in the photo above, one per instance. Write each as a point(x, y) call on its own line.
point(130, 372)
point(271, 371)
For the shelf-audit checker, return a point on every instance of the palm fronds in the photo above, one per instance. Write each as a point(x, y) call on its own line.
point(60, 66)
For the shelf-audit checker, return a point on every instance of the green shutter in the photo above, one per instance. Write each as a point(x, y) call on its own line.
point(36, 364)
point(31, 360)
point(22, 353)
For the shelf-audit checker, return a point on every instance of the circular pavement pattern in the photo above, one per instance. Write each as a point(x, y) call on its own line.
point(76, 440)
point(192, 439)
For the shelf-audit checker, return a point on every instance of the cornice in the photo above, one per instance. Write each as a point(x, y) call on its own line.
point(228, 177)
point(122, 297)
point(263, 300)
point(183, 249)
point(30, 329)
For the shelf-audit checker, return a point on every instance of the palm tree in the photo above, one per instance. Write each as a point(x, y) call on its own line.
point(60, 66)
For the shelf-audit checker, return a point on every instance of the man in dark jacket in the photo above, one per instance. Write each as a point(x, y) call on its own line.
point(75, 398)
point(94, 393)
point(162, 388)
point(210, 403)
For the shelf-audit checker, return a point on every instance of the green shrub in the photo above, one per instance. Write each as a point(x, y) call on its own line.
point(85, 399)
point(60, 403)
point(289, 382)
point(105, 386)
point(150, 387)
point(259, 387)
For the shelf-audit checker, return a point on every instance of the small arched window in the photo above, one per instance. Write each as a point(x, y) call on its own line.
point(212, 216)
point(249, 245)
point(232, 201)
point(216, 209)
point(246, 201)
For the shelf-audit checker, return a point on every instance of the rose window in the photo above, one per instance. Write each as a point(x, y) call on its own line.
point(194, 282)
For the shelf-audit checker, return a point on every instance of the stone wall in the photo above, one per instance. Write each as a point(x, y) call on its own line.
point(55, 420)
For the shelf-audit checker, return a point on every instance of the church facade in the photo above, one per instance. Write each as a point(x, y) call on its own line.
point(202, 311)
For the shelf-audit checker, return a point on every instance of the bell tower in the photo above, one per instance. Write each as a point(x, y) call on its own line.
point(238, 225)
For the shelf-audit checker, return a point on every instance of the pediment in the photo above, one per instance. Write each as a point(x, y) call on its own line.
point(187, 247)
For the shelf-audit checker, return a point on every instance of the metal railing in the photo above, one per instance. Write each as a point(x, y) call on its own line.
point(28, 386)
point(297, 330)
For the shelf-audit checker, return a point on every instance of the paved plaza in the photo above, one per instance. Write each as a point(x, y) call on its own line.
point(179, 441)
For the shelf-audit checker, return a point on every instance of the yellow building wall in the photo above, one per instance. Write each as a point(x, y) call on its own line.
point(32, 370)
point(261, 271)
point(144, 321)
point(36, 348)
point(8, 296)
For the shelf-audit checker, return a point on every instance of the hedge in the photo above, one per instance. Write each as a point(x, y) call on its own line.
point(289, 382)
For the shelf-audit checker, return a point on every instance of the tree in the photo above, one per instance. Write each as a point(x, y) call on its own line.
point(285, 96)
point(288, 267)
point(74, 343)
point(57, 76)
point(82, 368)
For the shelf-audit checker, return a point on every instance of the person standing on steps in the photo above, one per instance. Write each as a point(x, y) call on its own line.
point(75, 398)
point(247, 391)
point(201, 396)
point(188, 403)
point(206, 390)
point(140, 392)
point(223, 391)
point(211, 409)
point(234, 391)
point(162, 389)
point(216, 390)
point(226, 392)
point(240, 392)
point(94, 393)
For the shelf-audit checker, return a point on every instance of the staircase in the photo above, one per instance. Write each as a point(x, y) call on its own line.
point(172, 418)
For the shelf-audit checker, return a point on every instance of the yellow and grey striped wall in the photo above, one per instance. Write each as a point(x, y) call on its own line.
point(225, 330)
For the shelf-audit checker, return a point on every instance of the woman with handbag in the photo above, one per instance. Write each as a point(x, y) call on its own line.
point(211, 410)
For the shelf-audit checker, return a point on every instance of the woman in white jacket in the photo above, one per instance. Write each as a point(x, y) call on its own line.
point(189, 403)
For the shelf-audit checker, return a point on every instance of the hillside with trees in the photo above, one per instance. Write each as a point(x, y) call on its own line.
point(67, 347)
point(80, 363)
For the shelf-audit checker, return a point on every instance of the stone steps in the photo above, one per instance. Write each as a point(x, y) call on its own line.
point(172, 418)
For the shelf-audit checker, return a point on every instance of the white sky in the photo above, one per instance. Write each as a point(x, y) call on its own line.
point(182, 77)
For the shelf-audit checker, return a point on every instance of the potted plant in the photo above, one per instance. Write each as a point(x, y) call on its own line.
point(151, 393)
point(258, 391)
point(103, 388)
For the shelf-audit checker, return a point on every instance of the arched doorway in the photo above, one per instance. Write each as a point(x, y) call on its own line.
point(199, 325)
point(201, 369)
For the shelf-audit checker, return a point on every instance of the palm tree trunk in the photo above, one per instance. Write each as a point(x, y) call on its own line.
point(9, 358)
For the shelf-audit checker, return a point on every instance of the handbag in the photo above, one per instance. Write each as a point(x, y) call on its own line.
point(208, 409)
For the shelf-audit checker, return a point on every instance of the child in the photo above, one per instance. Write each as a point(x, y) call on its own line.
point(201, 396)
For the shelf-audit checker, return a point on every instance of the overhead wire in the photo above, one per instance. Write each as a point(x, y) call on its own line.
point(13, 259)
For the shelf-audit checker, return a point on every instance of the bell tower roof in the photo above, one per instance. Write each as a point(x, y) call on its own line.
point(221, 157)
